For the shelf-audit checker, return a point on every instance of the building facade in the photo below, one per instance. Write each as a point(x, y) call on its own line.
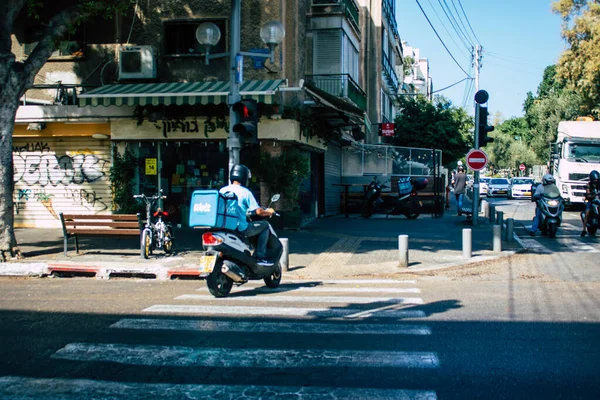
point(143, 83)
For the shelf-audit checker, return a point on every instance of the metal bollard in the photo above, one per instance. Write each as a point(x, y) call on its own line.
point(285, 256)
point(497, 241)
point(500, 219)
point(492, 214)
point(467, 243)
point(403, 251)
point(510, 223)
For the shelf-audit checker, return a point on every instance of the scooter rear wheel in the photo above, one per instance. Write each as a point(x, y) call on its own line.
point(219, 284)
point(168, 241)
point(367, 210)
point(414, 211)
point(272, 281)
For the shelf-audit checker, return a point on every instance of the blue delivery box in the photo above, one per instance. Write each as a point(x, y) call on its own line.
point(211, 209)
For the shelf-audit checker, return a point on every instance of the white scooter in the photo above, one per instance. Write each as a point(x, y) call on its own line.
point(228, 259)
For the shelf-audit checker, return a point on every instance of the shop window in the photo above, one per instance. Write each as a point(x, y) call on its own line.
point(180, 37)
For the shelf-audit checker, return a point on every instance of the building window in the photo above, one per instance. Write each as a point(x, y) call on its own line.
point(180, 37)
point(335, 54)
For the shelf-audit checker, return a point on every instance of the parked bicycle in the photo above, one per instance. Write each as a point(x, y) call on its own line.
point(157, 233)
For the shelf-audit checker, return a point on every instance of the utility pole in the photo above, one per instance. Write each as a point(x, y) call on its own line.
point(236, 65)
point(476, 143)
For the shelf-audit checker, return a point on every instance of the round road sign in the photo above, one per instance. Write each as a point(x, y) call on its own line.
point(522, 167)
point(477, 159)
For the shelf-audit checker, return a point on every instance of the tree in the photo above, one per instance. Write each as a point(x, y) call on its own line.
point(433, 125)
point(57, 18)
point(579, 65)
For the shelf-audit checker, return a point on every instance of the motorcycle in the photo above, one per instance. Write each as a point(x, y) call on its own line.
point(406, 202)
point(228, 260)
point(551, 207)
point(594, 219)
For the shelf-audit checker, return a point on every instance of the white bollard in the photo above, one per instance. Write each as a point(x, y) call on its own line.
point(484, 208)
point(403, 251)
point(285, 256)
point(467, 243)
point(510, 223)
point(497, 229)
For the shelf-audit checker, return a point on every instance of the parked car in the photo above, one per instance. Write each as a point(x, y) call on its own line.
point(497, 187)
point(520, 188)
point(483, 184)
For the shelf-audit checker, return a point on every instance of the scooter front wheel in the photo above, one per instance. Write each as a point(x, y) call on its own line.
point(272, 281)
point(367, 210)
point(592, 230)
point(552, 229)
point(168, 240)
point(219, 284)
point(146, 244)
point(414, 210)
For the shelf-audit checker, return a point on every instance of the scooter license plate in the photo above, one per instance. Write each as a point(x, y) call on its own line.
point(207, 263)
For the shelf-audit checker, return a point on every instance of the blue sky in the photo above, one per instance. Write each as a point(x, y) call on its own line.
point(520, 38)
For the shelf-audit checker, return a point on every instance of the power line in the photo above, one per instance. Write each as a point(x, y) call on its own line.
point(447, 31)
point(454, 84)
point(464, 28)
point(467, 18)
point(438, 36)
point(454, 23)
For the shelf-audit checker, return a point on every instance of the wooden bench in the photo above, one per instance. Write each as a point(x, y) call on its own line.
point(75, 225)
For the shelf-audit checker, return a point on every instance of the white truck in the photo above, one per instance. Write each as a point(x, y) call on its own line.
point(574, 155)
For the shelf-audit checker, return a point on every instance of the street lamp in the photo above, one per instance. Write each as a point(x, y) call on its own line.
point(208, 35)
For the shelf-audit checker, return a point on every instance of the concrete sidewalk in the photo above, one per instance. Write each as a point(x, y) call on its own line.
point(334, 247)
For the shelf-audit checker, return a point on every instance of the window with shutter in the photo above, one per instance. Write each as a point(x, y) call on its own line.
point(327, 52)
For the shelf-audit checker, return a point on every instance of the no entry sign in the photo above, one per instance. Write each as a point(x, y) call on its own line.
point(522, 167)
point(477, 159)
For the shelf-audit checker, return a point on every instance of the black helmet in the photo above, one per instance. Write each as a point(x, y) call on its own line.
point(240, 173)
point(594, 176)
point(461, 168)
point(548, 179)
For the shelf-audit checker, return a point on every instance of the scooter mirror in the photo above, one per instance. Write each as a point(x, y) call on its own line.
point(275, 198)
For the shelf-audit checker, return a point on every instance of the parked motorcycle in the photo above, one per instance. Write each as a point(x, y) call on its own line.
point(594, 219)
point(407, 201)
point(551, 206)
point(228, 259)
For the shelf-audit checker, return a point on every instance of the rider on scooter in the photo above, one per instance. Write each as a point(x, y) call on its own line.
point(247, 205)
point(591, 190)
point(548, 186)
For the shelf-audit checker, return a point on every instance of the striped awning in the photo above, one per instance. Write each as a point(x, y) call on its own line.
point(176, 93)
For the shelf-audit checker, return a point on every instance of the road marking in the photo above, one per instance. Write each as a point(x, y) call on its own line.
point(13, 387)
point(322, 289)
point(307, 299)
point(578, 246)
point(281, 311)
point(262, 327)
point(345, 281)
point(535, 246)
point(182, 356)
point(338, 254)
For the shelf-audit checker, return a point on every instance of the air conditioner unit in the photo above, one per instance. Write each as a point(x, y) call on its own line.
point(137, 62)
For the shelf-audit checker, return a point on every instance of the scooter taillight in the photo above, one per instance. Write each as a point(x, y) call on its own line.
point(209, 239)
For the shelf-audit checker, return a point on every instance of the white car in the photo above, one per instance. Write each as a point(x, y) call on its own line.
point(520, 188)
point(497, 187)
point(483, 184)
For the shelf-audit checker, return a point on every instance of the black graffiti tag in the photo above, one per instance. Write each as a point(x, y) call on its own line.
point(44, 169)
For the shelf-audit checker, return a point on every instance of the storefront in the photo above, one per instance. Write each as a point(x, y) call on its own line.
point(60, 167)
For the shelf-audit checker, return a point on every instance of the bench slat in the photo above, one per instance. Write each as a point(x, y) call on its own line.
point(116, 225)
point(114, 217)
point(103, 232)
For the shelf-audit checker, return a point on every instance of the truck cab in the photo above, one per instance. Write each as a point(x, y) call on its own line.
point(574, 155)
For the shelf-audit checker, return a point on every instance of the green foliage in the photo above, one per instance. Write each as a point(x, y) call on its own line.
point(122, 175)
point(437, 125)
point(579, 65)
point(284, 173)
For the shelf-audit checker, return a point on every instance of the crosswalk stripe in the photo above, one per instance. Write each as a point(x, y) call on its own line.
point(308, 299)
point(578, 246)
point(16, 387)
point(181, 356)
point(283, 311)
point(347, 281)
point(331, 290)
point(535, 246)
point(279, 327)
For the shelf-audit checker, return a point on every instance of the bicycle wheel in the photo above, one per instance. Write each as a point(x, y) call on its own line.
point(168, 240)
point(146, 244)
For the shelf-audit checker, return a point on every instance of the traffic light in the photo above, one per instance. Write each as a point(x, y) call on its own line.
point(247, 116)
point(484, 128)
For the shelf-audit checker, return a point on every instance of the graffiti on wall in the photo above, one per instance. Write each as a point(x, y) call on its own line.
point(37, 168)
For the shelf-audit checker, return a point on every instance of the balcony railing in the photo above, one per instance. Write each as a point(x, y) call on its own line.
point(348, 7)
point(389, 73)
point(388, 11)
point(340, 85)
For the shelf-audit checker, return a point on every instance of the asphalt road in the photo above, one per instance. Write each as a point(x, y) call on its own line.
point(522, 327)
